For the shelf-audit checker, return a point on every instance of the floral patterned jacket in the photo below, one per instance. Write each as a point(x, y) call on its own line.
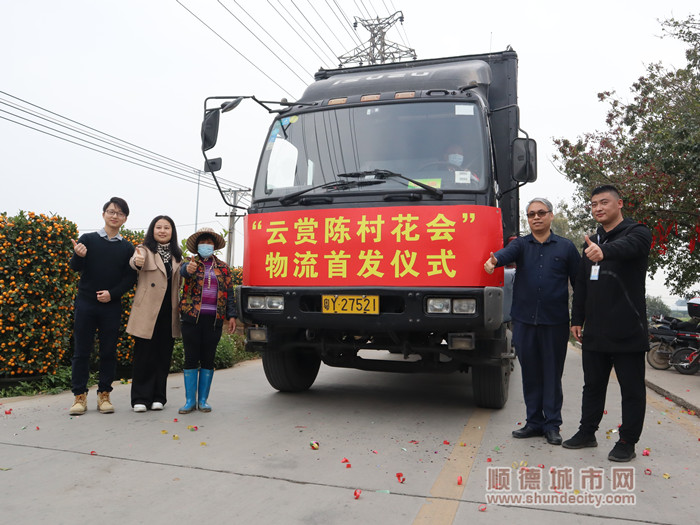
point(191, 299)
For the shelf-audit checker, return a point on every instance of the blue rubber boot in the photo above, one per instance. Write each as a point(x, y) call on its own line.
point(205, 377)
point(190, 391)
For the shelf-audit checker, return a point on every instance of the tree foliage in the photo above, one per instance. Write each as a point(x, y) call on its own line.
point(656, 307)
point(650, 149)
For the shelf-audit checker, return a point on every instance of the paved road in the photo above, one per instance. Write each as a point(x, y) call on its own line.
point(249, 461)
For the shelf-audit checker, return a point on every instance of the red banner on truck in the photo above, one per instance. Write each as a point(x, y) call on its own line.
point(421, 246)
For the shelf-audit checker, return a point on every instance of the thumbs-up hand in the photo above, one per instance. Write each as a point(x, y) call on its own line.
point(79, 248)
point(191, 267)
point(490, 264)
point(139, 258)
point(593, 251)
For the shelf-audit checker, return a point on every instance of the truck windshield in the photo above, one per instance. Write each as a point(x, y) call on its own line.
point(441, 144)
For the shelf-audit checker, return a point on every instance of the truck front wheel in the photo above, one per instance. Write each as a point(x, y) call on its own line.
point(490, 385)
point(292, 370)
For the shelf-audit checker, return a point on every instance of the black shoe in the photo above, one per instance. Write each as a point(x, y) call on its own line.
point(527, 432)
point(622, 452)
point(580, 440)
point(553, 437)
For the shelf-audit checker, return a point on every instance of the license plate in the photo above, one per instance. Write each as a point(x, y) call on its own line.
point(350, 304)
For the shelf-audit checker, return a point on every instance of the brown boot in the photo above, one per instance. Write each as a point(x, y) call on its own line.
point(103, 403)
point(79, 405)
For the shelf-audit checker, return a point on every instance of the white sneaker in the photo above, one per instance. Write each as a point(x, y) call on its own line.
point(139, 408)
point(157, 406)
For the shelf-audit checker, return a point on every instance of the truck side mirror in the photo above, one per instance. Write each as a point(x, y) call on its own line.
point(210, 128)
point(524, 160)
point(212, 165)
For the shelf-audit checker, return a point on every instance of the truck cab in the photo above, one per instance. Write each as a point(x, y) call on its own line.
point(379, 195)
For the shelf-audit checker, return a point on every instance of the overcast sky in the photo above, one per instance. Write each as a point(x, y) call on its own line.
point(140, 70)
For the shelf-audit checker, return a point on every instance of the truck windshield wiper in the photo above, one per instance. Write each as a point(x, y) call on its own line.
point(332, 185)
point(385, 174)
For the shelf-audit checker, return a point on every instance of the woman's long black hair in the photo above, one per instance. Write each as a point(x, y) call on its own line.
point(150, 242)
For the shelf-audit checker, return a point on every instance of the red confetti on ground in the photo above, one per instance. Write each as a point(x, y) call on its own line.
point(541, 465)
point(348, 465)
point(357, 493)
point(399, 476)
point(459, 480)
point(482, 508)
point(488, 460)
point(645, 452)
point(345, 460)
point(445, 442)
point(605, 411)
point(37, 428)
point(175, 420)
point(8, 412)
point(413, 441)
point(647, 471)
point(375, 452)
point(93, 453)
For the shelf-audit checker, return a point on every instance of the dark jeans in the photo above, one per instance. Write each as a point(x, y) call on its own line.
point(541, 352)
point(151, 365)
point(200, 340)
point(629, 369)
point(92, 317)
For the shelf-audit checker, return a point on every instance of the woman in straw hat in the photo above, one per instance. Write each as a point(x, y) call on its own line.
point(207, 304)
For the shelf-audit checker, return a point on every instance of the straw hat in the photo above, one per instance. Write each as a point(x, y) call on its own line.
point(193, 240)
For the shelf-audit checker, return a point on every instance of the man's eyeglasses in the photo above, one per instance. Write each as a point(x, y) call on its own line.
point(538, 213)
point(113, 213)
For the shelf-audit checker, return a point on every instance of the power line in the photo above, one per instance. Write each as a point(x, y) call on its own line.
point(333, 54)
point(347, 20)
point(308, 36)
point(236, 50)
point(274, 40)
point(365, 14)
point(324, 21)
point(353, 35)
point(260, 40)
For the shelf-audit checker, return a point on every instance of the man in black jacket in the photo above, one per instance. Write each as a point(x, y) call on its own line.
point(102, 258)
point(610, 303)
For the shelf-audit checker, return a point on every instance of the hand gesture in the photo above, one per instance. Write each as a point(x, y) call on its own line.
point(104, 296)
point(79, 248)
point(191, 267)
point(139, 258)
point(593, 251)
point(490, 264)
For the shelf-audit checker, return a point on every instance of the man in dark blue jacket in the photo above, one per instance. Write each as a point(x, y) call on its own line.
point(608, 317)
point(546, 264)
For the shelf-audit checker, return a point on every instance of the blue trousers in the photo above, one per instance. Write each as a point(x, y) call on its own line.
point(541, 351)
point(92, 317)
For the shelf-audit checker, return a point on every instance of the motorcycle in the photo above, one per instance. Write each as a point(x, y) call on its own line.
point(669, 335)
point(686, 360)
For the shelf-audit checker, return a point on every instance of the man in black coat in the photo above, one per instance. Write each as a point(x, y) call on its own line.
point(610, 303)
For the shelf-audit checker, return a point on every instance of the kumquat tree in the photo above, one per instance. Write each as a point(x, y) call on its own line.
point(651, 151)
point(37, 289)
point(125, 344)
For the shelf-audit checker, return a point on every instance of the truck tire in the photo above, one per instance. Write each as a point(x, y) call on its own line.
point(490, 385)
point(293, 370)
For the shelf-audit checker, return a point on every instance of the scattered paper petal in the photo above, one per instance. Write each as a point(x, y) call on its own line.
point(93, 453)
point(645, 452)
point(541, 465)
point(488, 460)
point(348, 465)
point(203, 443)
point(459, 480)
point(400, 477)
point(314, 445)
point(375, 452)
point(163, 431)
point(482, 508)
point(445, 442)
point(175, 420)
point(175, 437)
point(357, 493)
point(605, 411)
point(8, 412)
point(667, 475)
point(647, 471)
point(345, 460)
point(37, 428)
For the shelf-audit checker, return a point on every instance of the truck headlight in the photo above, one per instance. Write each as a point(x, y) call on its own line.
point(464, 306)
point(439, 305)
point(265, 302)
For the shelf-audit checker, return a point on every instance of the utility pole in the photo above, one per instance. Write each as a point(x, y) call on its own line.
point(232, 219)
point(377, 50)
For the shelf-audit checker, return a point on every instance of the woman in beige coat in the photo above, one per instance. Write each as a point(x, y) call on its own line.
point(154, 321)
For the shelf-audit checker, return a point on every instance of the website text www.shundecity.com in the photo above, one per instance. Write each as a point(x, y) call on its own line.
point(562, 486)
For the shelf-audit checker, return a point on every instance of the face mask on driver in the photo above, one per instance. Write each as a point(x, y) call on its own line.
point(455, 159)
